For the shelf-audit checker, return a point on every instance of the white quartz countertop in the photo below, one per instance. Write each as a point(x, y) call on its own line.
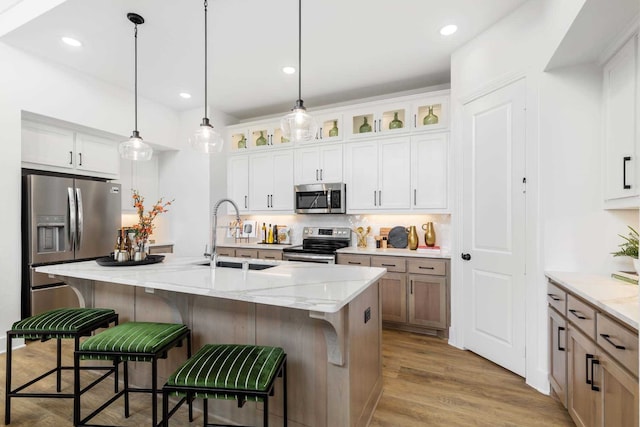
point(614, 297)
point(393, 252)
point(309, 286)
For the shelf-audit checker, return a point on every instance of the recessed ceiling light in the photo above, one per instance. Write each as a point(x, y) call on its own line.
point(447, 30)
point(71, 41)
point(288, 70)
point(185, 95)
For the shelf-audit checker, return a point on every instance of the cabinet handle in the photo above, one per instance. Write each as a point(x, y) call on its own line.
point(560, 328)
point(70, 157)
point(594, 387)
point(607, 338)
point(587, 357)
point(577, 314)
point(321, 175)
point(415, 191)
point(426, 268)
point(245, 256)
point(388, 265)
point(317, 175)
point(320, 133)
point(354, 262)
point(374, 198)
point(271, 200)
point(267, 200)
point(380, 197)
point(245, 202)
point(80, 155)
point(414, 121)
point(554, 297)
point(411, 287)
point(269, 257)
point(625, 159)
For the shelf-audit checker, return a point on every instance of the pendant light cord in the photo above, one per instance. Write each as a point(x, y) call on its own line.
point(135, 36)
point(300, 49)
point(206, 4)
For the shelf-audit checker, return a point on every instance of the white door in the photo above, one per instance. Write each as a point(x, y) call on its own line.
point(361, 175)
point(494, 226)
point(331, 163)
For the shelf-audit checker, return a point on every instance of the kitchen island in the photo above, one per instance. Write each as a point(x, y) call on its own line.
point(326, 317)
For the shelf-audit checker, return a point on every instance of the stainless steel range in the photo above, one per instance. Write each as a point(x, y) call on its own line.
point(319, 245)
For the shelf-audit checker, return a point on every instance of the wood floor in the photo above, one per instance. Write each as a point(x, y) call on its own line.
point(426, 383)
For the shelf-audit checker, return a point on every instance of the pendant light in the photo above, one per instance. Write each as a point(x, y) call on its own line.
point(135, 148)
point(206, 139)
point(298, 125)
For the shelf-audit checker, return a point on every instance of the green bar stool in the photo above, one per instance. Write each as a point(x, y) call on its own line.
point(58, 324)
point(228, 371)
point(132, 341)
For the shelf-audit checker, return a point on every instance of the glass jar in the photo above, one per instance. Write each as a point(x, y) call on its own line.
point(365, 127)
point(430, 119)
point(396, 123)
point(242, 143)
point(261, 140)
point(334, 130)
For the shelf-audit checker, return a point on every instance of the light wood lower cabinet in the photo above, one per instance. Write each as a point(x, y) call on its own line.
point(596, 364)
point(272, 254)
point(161, 249)
point(414, 292)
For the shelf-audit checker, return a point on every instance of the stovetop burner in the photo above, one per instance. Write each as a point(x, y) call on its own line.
point(322, 240)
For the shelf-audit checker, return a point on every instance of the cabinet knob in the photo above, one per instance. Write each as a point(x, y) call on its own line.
point(466, 257)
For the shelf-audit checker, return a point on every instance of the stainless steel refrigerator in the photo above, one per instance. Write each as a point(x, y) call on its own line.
point(64, 219)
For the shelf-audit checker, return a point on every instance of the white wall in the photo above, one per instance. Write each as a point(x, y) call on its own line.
point(518, 46)
point(27, 83)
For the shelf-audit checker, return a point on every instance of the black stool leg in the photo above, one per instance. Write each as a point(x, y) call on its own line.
point(205, 412)
point(154, 392)
point(126, 389)
point(7, 390)
point(59, 364)
point(190, 401)
point(265, 414)
point(165, 408)
point(76, 388)
point(284, 391)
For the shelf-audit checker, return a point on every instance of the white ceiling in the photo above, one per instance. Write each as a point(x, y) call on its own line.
point(350, 48)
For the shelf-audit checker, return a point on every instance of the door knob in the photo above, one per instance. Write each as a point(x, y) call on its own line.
point(466, 257)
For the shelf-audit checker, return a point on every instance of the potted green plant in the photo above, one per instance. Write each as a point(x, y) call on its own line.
point(629, 248)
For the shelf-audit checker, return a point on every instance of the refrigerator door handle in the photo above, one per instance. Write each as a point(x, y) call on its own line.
point(71, 199)
point(80, 218)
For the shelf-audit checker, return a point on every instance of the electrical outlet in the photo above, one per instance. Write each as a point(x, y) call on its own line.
point(367, 314)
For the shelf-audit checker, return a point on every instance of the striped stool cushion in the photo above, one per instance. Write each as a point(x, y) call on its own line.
point(229, 366)
point(56, 323)
point(132, 337)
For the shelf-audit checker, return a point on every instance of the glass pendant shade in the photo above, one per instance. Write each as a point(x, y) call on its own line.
point(206, 139)
point(135, 149)
point(299, 125)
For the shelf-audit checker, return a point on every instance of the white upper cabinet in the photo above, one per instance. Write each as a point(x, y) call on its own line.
point(59, 149)
point(620, 127)
point(330, 128)
point(377, 175)
point(430, 171)
point(318, 164)
point(238, 182)
point(430, 113)
point(271, 181)
point(140, 176)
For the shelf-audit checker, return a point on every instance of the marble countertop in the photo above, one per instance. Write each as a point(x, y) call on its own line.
point(316, 287)
point(614, 297)
point(394, 252)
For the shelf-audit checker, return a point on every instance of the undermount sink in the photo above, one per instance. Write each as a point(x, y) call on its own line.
point(235, 264)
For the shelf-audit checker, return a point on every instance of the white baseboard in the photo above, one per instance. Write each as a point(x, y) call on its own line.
point(538, 380)
point(17, 343)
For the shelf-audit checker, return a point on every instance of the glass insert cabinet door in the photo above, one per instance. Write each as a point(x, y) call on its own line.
point(330, 128)
point(267, 135)
point(430, 114)
point(384, 119)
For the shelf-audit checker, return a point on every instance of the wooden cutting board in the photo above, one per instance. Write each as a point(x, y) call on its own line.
point(384, 231)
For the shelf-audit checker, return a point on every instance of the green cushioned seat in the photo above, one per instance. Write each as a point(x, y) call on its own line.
point(132, 337)
point(229, 366)
point(55, 323)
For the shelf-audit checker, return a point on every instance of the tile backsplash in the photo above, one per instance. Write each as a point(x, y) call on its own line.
point(442, 225)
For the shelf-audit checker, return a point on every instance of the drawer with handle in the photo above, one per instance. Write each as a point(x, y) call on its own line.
point(557, 298)
point(581, 315)
point(348, 259)
point(270, 254)
point(392, 264)
point(247, 253)
point(436, 267)
point(618, 341)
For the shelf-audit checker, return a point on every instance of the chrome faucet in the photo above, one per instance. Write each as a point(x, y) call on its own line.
point(214, 255)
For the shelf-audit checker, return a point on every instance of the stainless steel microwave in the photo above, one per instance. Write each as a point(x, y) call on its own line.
point(321, 198)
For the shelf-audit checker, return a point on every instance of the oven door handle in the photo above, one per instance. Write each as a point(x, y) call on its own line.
point(326, 259)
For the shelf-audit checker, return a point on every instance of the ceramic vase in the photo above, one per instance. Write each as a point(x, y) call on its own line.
point(429, 234)
point(413, 238)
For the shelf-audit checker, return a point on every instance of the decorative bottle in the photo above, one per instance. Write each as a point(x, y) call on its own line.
point(264, 233)
point(270, 235)
point(429, 234)
point(261, 139)
point(242, 143)
point(413, 238)
point(334, 130)
point(396, 123)
point(365, 127)
point(430, 119)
